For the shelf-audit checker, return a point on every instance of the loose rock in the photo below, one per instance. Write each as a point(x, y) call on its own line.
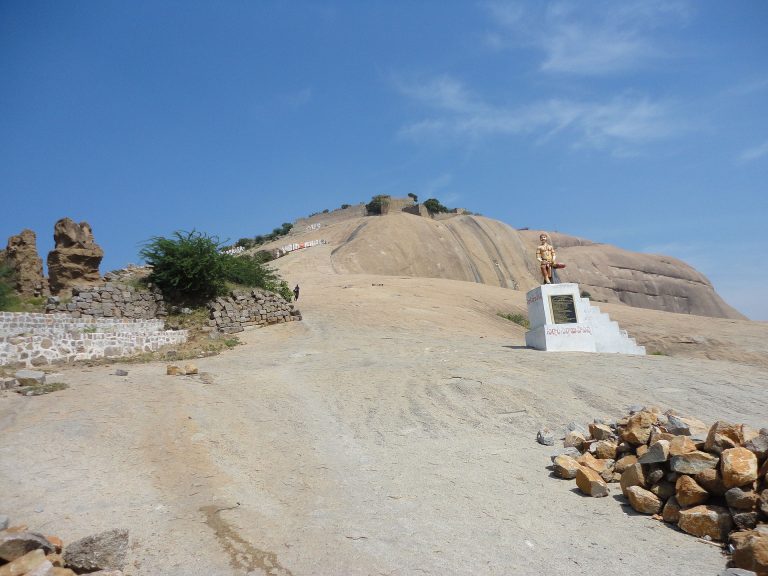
point(702, 521)
point(545, 437)
point(738, 467)
point(14, 545)
point(643, 501)
point(104, 551)
point(590, 482)
point(693, 462)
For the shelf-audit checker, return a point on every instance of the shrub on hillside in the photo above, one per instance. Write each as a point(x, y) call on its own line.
point(377, 204)
point(190, 269)
point(7, 294)
point(434, 206)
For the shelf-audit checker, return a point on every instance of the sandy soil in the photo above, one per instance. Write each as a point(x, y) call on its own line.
point(390, 432)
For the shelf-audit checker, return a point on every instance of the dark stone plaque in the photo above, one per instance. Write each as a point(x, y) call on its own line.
point(563, 309)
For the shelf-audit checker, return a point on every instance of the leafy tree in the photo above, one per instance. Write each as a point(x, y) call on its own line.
point(259, 239)
point(285, 228)
point(345, 206)
point(434, 206)
point(412, 195)
point(377, 204)
point(188, 268)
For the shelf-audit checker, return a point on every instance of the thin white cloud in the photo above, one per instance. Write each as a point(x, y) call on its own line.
point(754, 153)
point(457, 114)
point(591, 38)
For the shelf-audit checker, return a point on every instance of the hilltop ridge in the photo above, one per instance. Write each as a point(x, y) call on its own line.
point(483, 250)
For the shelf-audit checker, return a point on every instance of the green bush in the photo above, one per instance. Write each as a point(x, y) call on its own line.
point(188, 268)
point(377, 204)
point(413, 196)
point(345, 206)
point(434, 206)
point(8, 297)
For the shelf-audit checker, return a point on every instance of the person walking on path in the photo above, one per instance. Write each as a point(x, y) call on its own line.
point(296, 293)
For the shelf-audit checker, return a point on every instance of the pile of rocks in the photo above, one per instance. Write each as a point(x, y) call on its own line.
point(26, 553)
point(111, 300)
point(709, 482)
point(252, 308)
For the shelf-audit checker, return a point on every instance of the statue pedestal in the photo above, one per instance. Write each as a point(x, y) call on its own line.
point(562, 321)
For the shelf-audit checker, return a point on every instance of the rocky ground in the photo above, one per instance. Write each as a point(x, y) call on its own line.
point(392, 431)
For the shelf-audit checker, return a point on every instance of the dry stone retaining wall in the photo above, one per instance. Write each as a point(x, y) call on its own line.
point(28, 339)
point(252, 308)
point(111, 300)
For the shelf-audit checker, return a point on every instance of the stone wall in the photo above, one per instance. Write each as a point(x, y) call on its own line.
point(28, 339)
point(111, 300)
point(252, 308)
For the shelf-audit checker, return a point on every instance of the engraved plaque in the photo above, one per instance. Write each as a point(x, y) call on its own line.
point(563, 309)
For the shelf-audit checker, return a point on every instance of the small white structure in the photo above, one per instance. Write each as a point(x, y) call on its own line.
point(561, 320)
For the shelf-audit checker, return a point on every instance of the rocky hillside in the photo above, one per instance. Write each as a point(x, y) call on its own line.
point(483, 250)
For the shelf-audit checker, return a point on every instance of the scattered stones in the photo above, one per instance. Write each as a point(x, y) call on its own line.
point(120, 372)
point(30, 377)
point(680, 478)
point(190, 369)
point(546, 437)
point(14, 545)
point(24, 564)
point(172, 370)
point(104, 551)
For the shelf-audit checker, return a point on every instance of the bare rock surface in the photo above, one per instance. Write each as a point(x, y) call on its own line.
point(103, 551)
point(391, 431)
point(76, 257)
point(22, 257)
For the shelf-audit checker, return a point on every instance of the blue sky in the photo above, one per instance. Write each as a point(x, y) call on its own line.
point(641, 124)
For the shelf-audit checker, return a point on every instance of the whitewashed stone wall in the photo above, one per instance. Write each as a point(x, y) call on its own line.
point(28, 339)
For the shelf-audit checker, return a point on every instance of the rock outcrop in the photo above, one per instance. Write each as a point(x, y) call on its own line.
point(75, 259)
point(22, 257)
point(477, 249)
point(611, 274)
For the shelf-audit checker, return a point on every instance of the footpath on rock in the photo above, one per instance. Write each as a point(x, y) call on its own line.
point(392, 431)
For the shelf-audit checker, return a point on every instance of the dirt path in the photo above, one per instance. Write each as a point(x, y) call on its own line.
point(390, 432)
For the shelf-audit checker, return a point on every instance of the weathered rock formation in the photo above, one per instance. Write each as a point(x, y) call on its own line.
point(75, 259)
point(21, 255)
point(477, 249)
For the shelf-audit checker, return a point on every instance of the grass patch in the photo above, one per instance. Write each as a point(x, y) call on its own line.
point(232, 342)
point(40, 389)
point(517, 318)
